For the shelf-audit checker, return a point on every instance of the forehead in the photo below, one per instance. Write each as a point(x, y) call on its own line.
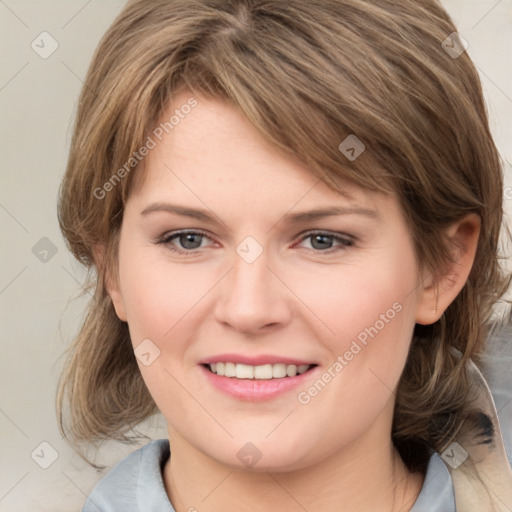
point(212, 150)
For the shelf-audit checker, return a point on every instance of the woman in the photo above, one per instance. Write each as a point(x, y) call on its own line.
point(293, 209)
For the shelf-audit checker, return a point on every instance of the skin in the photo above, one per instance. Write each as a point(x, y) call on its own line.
point(294, 300)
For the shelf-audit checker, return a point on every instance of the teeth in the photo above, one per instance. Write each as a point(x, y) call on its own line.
point(291, 370)
point(244, 371)
point(229, 370)
point(302, 368)
point(278, 371)
point(262, 372)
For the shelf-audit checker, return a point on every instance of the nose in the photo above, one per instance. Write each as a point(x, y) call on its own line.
point(252, 298)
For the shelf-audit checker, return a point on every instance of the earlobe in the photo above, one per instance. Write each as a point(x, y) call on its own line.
point(111, 283)
point(436, 296)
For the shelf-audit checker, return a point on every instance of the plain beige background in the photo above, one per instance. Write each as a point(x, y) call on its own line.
point(38, 101)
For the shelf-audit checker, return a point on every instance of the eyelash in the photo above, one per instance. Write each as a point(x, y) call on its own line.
point(344, 241)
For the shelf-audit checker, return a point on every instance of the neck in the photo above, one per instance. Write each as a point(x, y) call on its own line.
point(359, 478)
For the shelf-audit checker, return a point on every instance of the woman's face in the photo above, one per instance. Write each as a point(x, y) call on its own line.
point(232, 255)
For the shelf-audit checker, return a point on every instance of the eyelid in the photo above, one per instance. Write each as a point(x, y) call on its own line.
point(168, 236)
point(345, 239)
point(336, 234)
point(171, 234)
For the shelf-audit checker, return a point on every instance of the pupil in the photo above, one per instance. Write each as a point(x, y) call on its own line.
point(321, 242)
point(190, 241)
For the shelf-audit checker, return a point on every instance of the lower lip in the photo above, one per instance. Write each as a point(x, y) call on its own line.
point(255, 390)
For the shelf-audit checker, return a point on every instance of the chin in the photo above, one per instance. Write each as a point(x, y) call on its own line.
point(279, 455)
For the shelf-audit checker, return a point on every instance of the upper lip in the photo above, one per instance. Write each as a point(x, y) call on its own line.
point(254, 360)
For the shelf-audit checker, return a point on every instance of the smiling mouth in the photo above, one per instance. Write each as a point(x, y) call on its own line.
point(261, 372)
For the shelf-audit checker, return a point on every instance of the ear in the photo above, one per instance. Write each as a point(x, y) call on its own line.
point(111, 282)
point(435, 297)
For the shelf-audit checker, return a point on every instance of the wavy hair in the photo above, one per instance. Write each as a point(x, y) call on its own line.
point(306, 74)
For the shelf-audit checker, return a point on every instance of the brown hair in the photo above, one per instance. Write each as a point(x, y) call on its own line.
point(306, 74)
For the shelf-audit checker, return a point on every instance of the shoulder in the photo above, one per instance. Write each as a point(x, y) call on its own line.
point(497, 365)
point(437, 494)
point(134, 484)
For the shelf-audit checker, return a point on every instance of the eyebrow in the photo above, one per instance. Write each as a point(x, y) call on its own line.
point(291, 218)
point(321, 213)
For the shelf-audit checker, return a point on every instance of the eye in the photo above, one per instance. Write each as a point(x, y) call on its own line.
point(191, 240)
point(322, 241)
point(184, 241)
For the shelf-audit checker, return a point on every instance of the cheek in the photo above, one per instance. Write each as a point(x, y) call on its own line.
point(373, 319)
point(164, 304)
point(361, 300)
point(160, 297)
point(367, 316)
